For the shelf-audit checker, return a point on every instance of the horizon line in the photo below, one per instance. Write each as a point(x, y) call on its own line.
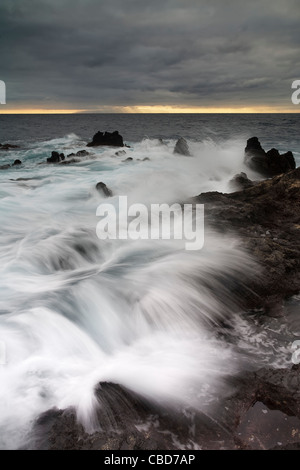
point(156, 109)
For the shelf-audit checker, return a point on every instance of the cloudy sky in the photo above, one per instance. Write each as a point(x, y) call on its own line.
point(149, 56)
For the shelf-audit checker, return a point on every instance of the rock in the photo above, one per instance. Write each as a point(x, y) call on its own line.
point(4, 167)
point(8, 147)
point(113, 139)
point(82, 153)
point(22, 179)
point(274, 306)
point(128, 422)
point(269, 163)
point(55, 157)
point(146, 159)
point(101, 187)
point(120, 153)
point(276, 389)
point(17, 162)
point(268, 207)
point(68, 162)
point(129, 159)
point(240, 182)
point(182, 147)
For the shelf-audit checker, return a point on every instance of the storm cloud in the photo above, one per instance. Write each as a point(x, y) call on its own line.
point(94, 54)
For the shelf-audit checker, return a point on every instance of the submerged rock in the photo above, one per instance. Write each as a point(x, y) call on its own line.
point(269, 163)
point(55, 157)
point(182, 147)
point(5, 167)
point(113, 139)
point(129, 159)
point(80, 153)
point(101, 187)
point(120, 153)
point(8, 147)
point(69, 161)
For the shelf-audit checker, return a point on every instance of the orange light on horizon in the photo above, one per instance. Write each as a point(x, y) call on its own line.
point(39, 111)
point(156, 109)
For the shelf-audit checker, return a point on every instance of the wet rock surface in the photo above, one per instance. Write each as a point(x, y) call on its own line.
point(262, 412)
point(267, 219)
point(103, 189)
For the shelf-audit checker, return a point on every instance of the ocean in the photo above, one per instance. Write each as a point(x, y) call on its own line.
point(76, 310)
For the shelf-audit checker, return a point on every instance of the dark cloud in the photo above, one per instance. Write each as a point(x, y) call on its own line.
point(94, 53)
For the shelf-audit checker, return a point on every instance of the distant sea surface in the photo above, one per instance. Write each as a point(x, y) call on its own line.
point(279, 130)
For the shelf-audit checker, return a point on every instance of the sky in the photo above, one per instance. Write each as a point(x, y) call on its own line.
point(149, 56)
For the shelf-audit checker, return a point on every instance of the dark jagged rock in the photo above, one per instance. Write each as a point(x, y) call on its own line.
point(269, 163)
point(122, 417)
point(102, 188)
point(182, 147)
point(113, 139)
point(254, 147)
point(55, 157)
point(266, 216)
point(128, 422)
point(120, 153)
point(17, 162)
point(240, 182)
point(8, 147)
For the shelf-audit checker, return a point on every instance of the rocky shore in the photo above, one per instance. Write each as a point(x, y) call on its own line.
point(262, 410)
point(266, 216)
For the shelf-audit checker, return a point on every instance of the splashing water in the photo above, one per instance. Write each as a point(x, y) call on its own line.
point(76, 311)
